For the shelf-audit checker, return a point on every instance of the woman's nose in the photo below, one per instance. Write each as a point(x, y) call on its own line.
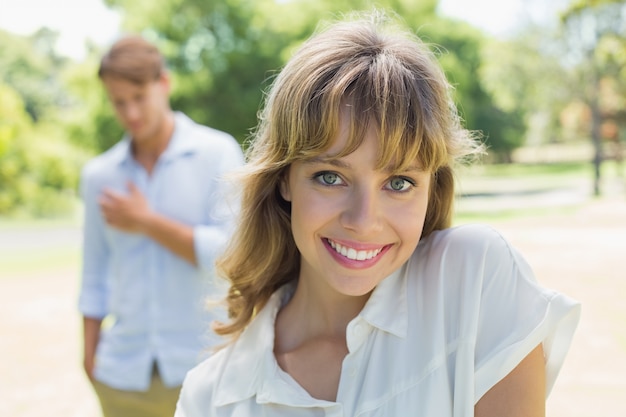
point(363, 212)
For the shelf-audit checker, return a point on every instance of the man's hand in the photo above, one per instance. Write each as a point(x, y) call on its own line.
point(131, 213)
point(126, 212)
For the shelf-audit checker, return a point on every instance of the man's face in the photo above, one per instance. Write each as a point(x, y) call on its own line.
point(140, 108)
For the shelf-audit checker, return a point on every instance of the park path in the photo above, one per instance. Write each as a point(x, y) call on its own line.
point(579, 252)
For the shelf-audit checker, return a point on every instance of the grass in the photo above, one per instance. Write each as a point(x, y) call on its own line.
point(518, 177)
point(569, 169)
point(486, 216)
point(24, 222)
point(23, 252)
point(502, 192)
point(18, 263)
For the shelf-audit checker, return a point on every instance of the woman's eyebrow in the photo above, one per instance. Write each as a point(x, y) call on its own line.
point(328, 160)
point(415, 167)
point(339, 163)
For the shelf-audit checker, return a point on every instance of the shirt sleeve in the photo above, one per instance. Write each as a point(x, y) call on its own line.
point(93, 295)
point(516, 314)
point(210, 239)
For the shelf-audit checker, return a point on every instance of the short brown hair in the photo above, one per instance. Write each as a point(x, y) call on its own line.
point(134, 59)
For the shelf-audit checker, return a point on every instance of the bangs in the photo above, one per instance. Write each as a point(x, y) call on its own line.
point(376, 91)
point(389, 83)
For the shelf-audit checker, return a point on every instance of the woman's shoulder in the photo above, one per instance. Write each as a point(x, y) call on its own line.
point(468, 240)
point(461, 261)
point(471, 232)
point(200, 384)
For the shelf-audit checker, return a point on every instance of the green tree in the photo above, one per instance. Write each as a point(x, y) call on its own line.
point(525, 77)
point(30, 66)
point(592, 29)
point(91, 124)
point(38, 164)
point(38, 168)
point(14, 122)
point(458, 47)
point(224, 54)
point(221, 54)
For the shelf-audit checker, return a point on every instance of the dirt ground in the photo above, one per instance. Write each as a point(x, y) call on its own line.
point(579, 252)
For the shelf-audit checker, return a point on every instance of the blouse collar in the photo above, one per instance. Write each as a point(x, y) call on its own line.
point(251, 368)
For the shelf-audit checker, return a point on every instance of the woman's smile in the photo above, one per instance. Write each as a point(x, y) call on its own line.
point(360, 257)
point(352, 253)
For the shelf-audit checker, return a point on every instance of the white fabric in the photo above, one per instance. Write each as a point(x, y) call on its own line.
point(431, 340)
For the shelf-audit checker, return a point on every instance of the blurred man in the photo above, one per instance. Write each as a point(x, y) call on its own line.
point(157, 210)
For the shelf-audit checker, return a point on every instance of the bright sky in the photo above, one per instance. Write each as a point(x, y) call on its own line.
point(78, 20)
point(75, 20)
point(500, 17)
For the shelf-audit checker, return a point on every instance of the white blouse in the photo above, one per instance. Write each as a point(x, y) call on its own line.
point(432, 339)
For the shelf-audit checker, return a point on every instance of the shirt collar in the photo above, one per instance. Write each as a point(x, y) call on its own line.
point(249, 356)
point(386, 308)
point(182, 142)
point(252, 368)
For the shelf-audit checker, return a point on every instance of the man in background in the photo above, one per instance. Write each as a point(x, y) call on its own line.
point(157, 211)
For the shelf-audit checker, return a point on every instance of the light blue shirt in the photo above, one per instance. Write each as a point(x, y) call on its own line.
point(155, 303)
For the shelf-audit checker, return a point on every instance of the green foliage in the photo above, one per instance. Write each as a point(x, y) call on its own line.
point(13, 122)
point(594, 35)
point(224, 54)
point(460, 49)
point(39, 174)
point(38, 165)
point(221, 54)
point(29, 65)
point(91, 125)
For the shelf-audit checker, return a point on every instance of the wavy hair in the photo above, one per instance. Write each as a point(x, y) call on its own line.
point(382, 75)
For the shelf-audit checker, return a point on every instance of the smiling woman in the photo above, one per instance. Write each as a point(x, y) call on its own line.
point(350, 292)
point(76, 21)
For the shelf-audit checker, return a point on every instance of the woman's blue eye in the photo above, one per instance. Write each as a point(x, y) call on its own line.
point(329, 178)
point(399, 184)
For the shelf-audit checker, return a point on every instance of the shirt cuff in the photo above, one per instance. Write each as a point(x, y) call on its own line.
point(555, 332)
point(92, 306)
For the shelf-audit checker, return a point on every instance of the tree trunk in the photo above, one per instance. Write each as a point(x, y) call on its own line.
point(596, 138)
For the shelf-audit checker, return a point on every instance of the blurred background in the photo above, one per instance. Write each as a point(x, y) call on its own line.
point(544, 81)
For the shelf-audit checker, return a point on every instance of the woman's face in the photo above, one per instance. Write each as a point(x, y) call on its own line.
point(353, 225)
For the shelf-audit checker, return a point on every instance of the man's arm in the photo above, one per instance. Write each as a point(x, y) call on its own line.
point(91, 337)
point(93, 296)
point(522, 393)
point(131, 213)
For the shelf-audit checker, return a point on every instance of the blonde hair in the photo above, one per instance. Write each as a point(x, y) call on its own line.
point(389, 78)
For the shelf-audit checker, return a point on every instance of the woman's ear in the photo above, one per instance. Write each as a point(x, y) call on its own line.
point(285, 192)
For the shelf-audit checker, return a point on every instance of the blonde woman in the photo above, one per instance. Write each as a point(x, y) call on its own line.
point(350, 293)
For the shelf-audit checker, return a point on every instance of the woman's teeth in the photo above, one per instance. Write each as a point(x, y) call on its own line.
point(351, 253)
